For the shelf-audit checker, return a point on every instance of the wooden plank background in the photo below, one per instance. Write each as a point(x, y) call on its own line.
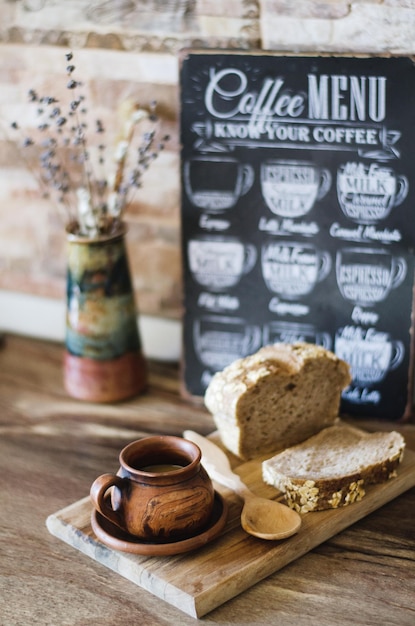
point(130, 48)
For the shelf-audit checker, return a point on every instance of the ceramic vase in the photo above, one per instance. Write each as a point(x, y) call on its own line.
point(103, 360)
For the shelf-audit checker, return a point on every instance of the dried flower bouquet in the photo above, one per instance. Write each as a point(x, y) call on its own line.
point(72, 168)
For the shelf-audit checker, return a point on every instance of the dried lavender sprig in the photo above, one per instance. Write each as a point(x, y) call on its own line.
point(43, 184)
point(73, 85)
point(99, 206)
point(56, 174)
point(145, 157)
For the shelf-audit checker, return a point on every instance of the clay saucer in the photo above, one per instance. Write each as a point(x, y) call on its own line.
point(117, 539)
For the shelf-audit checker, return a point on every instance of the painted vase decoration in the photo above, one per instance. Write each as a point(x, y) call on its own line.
point(103, 360)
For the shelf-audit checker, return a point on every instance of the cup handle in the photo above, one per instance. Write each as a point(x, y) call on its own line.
point(250, 258)
point(324, 339)
point(325, 266)
point(247, 178)
point(402, 183)
point(400, 272)
point(396, 360)
point(254, 339)
point(325, 182)
point(98, 490)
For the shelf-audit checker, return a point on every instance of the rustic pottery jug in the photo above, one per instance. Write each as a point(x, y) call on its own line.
point(161, 491)
point(103, 359)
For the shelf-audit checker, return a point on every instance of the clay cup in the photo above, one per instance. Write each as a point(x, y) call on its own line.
point(161, 491)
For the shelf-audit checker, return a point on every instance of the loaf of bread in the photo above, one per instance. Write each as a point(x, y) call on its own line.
point(332, 468)
point(277, 397)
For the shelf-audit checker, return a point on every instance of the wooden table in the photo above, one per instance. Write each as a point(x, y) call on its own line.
point(53, 447)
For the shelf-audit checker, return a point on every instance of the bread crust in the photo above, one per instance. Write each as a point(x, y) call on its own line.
point(279, 396)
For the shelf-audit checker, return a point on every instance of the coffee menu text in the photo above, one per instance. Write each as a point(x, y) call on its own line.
point(264, 116)
point(295, 198)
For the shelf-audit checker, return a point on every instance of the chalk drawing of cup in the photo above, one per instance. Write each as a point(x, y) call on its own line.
point(368, 193)
point(215, 183)
point(370, 353)
point(366, 276)
point(220, 262)
point(220, 340)
point(293, 269)
point(292, 332)
point(291, 188)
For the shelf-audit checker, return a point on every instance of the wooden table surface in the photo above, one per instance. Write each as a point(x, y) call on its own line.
point(51, 449)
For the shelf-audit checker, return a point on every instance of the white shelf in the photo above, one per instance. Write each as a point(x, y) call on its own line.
point(44, 318)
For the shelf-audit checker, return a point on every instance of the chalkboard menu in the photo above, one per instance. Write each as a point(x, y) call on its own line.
point(298, 204)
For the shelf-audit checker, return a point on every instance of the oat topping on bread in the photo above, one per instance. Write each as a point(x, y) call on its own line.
point(332, 468)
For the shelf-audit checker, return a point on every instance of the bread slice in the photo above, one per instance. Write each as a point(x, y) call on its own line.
point(332, 468)
point(277, 397)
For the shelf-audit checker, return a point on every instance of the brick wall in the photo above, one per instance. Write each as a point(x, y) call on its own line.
point(130, 50)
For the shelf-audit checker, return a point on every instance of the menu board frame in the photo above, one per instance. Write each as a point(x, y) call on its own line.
point(297, 178)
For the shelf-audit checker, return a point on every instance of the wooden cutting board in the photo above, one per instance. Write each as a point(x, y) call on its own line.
point(199, 581)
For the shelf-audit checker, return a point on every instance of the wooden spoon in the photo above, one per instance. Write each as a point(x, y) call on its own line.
point(260, 517)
